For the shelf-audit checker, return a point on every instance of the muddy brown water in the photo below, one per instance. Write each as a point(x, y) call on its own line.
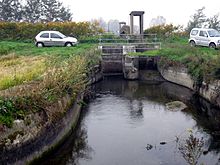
point(127, 123)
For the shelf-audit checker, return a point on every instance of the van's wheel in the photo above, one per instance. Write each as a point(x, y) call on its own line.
point(192, 43)
point(68, 44)
point(212, 46)
point(39, 45)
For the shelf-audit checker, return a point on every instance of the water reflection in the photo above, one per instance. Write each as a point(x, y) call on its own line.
point(125, 117)
point(136, 109)
point(74, 148)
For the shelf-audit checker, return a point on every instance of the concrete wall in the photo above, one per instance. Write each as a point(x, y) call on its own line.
point(179, 75)
point(112, 64)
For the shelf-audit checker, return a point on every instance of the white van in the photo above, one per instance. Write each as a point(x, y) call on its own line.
point(205, 37)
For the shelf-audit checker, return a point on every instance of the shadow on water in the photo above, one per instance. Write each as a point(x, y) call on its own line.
point(83, 146)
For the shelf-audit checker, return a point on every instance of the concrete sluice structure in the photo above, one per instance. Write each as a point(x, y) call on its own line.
point(119, 55)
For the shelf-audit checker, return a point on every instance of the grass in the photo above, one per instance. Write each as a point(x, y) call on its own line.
point(56, 71)
point(15, 70)
point(202, 62)
point(23, 62)
point(27, 49)
point(8, 112)
point(145, 53)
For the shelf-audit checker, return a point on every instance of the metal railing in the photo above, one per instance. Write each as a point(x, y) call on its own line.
point(141, 42)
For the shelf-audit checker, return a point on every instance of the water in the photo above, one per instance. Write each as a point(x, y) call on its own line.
point(127, 123)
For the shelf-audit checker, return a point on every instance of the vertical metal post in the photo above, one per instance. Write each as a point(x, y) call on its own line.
point(141, 25)
point(132, 24)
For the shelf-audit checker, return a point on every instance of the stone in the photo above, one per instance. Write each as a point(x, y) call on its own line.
point(176, 106)
point(163, 143)
point(149, 147)
point(7, 142)
point(18, 124)
point(131, 73)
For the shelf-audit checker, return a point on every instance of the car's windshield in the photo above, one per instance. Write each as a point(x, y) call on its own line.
point(61, 35)
point(213, 33)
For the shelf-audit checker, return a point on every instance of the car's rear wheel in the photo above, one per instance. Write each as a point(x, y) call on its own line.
point(212, 45)
point(68, 44)
point(39, 44)
point(192, 43)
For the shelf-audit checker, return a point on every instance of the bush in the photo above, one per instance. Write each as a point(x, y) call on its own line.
point(27, 31)
point(167, 31)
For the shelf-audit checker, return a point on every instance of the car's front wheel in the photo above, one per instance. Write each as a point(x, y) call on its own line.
point(39, 44)
point(68, 44)
point(192, 43)
point(212, 45)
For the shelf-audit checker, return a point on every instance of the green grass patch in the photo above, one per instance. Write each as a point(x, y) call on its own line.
point(23, 62)
point(29, 49)
point(145, 53)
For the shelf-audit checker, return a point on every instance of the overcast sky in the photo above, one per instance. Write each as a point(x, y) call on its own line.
point(175, 11)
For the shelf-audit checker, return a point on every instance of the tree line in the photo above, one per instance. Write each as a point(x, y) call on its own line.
point(33, 11)
point(199, 20)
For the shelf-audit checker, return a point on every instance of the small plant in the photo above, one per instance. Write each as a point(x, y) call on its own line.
point(191, 149)
point(8, 112)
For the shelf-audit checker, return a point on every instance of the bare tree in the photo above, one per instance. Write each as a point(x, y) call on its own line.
point(197, 20)
point(214, 22)
point(10, 10)
point(33, 11)
point(53, 10)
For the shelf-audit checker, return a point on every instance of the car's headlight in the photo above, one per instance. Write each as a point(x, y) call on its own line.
point(218, 41)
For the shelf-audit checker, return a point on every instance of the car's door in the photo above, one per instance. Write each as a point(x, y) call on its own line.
point(56, 39)
point(45, 39)
point(203, 39)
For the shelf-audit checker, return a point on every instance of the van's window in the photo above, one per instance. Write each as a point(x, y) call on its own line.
point(203, 34)
point(45, 35)
point(214, 33)
point(194, 32)
point(54, 35)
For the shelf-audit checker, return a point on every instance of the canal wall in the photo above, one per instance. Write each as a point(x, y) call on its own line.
point(31, 144)
point(179, 75)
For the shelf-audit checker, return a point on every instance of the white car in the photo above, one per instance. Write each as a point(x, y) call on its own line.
point(54, 38)
point(205, 37)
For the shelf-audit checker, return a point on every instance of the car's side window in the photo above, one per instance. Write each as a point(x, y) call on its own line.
point(44, 35)
point(203, 34)
point(54, 35)
point(194, 32)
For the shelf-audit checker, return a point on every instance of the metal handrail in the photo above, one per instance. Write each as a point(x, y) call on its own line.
point(130, 40)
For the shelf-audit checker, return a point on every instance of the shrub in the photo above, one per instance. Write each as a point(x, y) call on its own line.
point(27, 31)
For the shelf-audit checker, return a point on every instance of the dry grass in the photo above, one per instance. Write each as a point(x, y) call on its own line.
point(15, 70)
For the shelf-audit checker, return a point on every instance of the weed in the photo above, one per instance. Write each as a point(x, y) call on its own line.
point(8, 112)
point(191, 149)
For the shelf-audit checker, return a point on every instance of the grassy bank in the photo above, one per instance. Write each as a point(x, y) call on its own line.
point(40, 76)
point(202, 62)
